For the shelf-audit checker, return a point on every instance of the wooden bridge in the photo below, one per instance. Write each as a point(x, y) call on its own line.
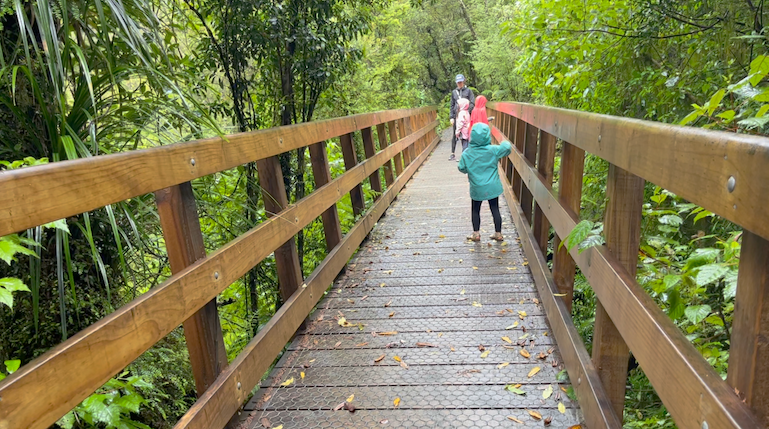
point(422, 328)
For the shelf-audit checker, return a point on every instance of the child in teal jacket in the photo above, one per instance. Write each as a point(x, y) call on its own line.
point(480, 163)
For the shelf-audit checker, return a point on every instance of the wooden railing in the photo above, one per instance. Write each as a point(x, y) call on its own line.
point(47, 388)
point(725, 173)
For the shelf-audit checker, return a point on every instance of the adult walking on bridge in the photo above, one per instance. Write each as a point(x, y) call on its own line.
point(461, 92)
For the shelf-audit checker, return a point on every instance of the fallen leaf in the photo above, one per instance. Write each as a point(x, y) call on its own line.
point(462, 292)
point(512, 268)
point(287, 382)
point(507, 340)
point(548, 420)
point(338, 343)
point(475, 268)
point(301, 374)
point(562, 408)
point(391, 314)
point(440, 334)
point(379, 359)
point(472, 250)
point(534, 371)
point(525, 263)
point(548, 392)
point(525, 353)
point(453, 349)
point(522, 314)
point(511, 417)
point(351, 398)
point(278, 427)
point(542, 356)
point(477, 304)
point(441, 236)
point(440, 270)
point(266, 422)
point(382, 285)
point(364, 297)
point(397, 401)
point(361, 345)
point(485, 354)
point(388, 303)
point(349, 407)
point(426, 345)
point(575, 427)
point(559, 294)
point(535, 415)
point(502, 365)
point(339, 407)
point(388, 333)
point(515, 389)
point(564, 389)
point(481, 348)
point(404, 365)
point(535, 301)
point(397, 358)
point(385, 421)
point(523, 336)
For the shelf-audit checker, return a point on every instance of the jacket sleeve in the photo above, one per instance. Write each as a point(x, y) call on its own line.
point(503, 149)
point(462, 165)
point(453, 109)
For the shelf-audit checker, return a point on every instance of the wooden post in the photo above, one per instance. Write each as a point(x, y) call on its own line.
point(350, 161)
point(570, 195)
point(388, 167)
point(275, 200)
point(749, 351)
point(370, 150)
point(545, 167)
point(520, 136)
point(397, 159)
point(322, 173)
point(622, 228)
point(403, 132)
point(530, 152)
point(184, 244)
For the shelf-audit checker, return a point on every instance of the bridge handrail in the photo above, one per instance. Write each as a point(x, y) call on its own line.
point(39, 393)
point(699, 165)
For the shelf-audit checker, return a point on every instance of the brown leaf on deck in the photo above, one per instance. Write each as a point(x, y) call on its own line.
point(265, 422)
point(379, 359)
point(548, 420)
point(426, 345)
point(535, 415)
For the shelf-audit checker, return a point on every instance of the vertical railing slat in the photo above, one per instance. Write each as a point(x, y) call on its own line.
point(370, 150)
point(322, 173)
point(350, 161)
point(545, 165)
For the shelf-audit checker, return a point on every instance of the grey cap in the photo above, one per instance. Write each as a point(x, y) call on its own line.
point(460, 78)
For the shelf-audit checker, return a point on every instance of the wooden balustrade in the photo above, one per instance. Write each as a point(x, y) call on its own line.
point(39, 393)
point(723, 172)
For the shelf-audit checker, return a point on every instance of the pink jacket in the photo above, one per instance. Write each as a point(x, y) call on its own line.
point(463, 119)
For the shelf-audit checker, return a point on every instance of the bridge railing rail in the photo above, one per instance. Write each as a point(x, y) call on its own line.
point(42, 391)
point(726, 173)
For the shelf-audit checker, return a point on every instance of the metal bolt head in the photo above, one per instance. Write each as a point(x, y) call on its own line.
point(192, 161)
point(705, 424)
point(599, 137)
point(239, 385)
point(731, 183)
point(216, 275)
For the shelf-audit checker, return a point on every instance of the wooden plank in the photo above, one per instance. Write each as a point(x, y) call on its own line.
point(530, 152)
point(520, 137)
point(350, 161)
point(234, 386)
point(545, 165)
point(321, 171)
point(693, 163)
point(403, 132)
point(583, 375)
point(699, 394)
point(184, 243)
point(622, 229)
point(370, 150)
point(397, 159)
point(570, 196)
point(749, 351)
point(38, 195)
point(275, 201)
point(39, 393)
point(388, 167)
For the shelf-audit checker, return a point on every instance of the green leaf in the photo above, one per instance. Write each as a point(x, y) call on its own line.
point(12, 366)
point(715, 100)
point(6, 297)
point(726, 116)
point(513, 389)
point(702, 214)
point(13, 284)
point(759, 68)
point(714, 320)
point(701, 257)
point(710, 273)
point(672, 220)
point(697, 313)
point(730, 290)
point(590, 241)
point(8, 249)
point(67, 421)
point(670, 281)
point(578, 234)
point(762, 111)
point(690, 118)
point(58, 224)
point(752, 123)
point(130, 402)
point(675, 305)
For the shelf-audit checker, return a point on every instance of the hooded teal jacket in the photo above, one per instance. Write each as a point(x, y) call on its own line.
point(480, 162)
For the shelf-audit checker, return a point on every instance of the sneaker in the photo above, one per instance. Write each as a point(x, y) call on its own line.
point(476, 236)
point(497, 236)
point(452, 157)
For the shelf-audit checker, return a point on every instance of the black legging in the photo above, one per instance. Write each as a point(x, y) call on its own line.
point(453, 137)
point(494, 206)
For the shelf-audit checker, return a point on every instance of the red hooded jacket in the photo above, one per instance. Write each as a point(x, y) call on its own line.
point(479, 113)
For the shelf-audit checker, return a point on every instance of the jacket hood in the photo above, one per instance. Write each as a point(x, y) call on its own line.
point(480, 135)
point(480, 102)
point(463, 103)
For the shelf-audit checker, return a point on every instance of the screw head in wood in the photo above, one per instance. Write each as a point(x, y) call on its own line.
point(731, 183)
point(216, 275)
point(705, 424)
point(192, 161)
point(599, 137)
point(239, 385)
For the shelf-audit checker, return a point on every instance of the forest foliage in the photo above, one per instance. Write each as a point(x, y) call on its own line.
point(86, 77)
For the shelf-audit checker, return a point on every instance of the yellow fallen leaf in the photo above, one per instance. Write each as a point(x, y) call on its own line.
point(382, 285)
point(502, 365)
point(522, 313)
point(278, 427)
point(351, 397)
point(462, 292)
point(514, 419)
point(548, 392)
point(453, 349)
point(534, 371)
point(477, 304)
point(441, 236)
point(397, 401)
point(512, 268)
point(341, 321)
point(301, 374)
point(535, 415)
point(472, 250)
point(507, 340)
point(562, 408)
point(379, 359)
point(440, 334)
point(484, 354)
point(287, 382)
point(525, 353)
point(397, 358)
point(475, 268)
point(391, 314)
point(559, 294)
point(388, 333)
point(440, 270)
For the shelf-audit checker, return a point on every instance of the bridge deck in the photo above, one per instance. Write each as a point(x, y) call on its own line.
point(451, 303)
